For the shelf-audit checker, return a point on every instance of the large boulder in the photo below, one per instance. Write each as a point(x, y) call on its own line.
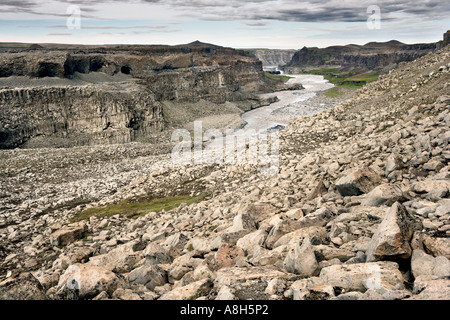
point(385, 194)
point(121, 259)
point(155, 254)
point(227, 255)
point(437, 246)
point(23, 287)
point(149, 275)
point(67, 235)
point(392, 239)
point(250, 283)
point(363, 276)
point(423, 264)
point(358, 182)
point(280, 229)
point(192, 291)
point(301, 260)
point(181, 266)
point(86, 281)
point(431, 288)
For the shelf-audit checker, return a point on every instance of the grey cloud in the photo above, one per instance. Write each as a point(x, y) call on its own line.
point(258, 12)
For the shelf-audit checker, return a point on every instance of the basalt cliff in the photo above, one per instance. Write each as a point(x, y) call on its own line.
point(374, 56)
point(79, 95)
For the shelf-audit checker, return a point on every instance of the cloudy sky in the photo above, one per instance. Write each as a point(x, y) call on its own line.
point(289, 24)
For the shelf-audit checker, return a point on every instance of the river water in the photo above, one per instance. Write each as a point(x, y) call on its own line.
point(291, 104)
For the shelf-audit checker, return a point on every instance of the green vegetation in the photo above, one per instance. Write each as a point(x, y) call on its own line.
point(137, 209)
point(338, 91)
point(345, 78)
point(323, 72)
point(280, 77)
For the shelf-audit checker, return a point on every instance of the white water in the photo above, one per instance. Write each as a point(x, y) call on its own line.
point(292, 104)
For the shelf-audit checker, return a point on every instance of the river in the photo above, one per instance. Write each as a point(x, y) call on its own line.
point(291, 104)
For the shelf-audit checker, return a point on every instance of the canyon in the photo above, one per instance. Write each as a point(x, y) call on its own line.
point(357, 209)
point(69, 96)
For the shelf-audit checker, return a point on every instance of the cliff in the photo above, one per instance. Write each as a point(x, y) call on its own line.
point(78, 95)
point(376, 57)
point(273, 58)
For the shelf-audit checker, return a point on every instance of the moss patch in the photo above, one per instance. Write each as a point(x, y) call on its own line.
point(137, 209)
point(339, 91)
point(280, 77)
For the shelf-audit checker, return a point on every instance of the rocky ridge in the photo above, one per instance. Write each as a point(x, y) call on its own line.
point(358, 211)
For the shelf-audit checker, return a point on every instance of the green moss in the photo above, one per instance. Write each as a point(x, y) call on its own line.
point(345, 78)
point(137, 209)
point(280, 77)
point(338, 91)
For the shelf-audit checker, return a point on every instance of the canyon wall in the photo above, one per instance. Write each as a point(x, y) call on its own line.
point(91, 95)
point(272, 58)
point(375, 57)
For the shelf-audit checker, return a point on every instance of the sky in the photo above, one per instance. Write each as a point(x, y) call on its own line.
point(274, 24)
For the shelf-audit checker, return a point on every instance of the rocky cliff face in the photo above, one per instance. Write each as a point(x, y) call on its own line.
point(378, 57)
point(272, 58)
point(107, 113)
point(112, 94)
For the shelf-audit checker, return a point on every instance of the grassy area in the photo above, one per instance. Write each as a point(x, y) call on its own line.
point(323, 72)
point(280, 77)
point(338, 91)
point(137, 209)
point(364, 77)
point(344, 78)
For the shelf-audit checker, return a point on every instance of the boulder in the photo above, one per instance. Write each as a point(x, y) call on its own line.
point(86, 281)
point(121, 259)
point(252, 240)
point(362, 276)
point(301, 260)
point(423, 264)
point(392, 239)
point(358, 182)
point(385, 194)
point(437, 246)
point(250, 282)
point(156, 254)
point(227, 255)
point(23, 287)
point(280, 229)
point(192, 291)
point(181, 266)
point(67, 235)
point(149, 275)
point(431, 288)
